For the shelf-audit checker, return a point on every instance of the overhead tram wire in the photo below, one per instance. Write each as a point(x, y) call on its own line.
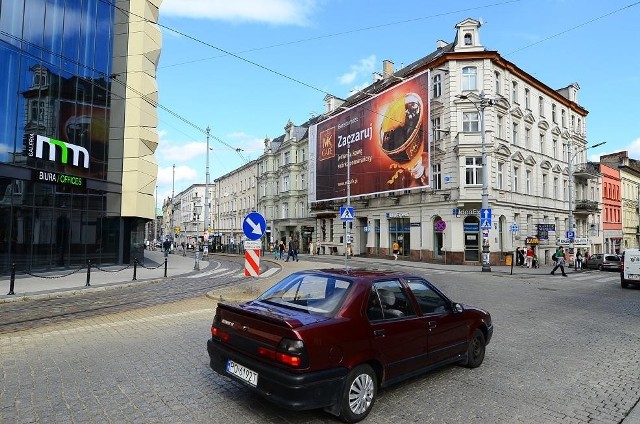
point(112, 77)
point(237, 56)
point(575, 27)
point(353, 31)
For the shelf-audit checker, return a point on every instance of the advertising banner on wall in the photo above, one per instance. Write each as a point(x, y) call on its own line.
point(87, 126)
point(386, 139)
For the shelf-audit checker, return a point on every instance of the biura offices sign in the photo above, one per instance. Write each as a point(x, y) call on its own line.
point(35, 149)
point(58, 151)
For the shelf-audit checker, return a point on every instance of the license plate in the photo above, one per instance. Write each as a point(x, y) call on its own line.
point(634, 276)
point(243, 373)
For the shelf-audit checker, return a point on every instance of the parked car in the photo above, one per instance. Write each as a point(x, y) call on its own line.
point(331, 338)
point(630, 268)
point(603, 261)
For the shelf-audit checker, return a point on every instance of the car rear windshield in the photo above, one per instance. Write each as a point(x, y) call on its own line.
point(314, 294)
point(612, 258)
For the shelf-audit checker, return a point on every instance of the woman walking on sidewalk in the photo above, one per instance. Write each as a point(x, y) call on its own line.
point(560, 258)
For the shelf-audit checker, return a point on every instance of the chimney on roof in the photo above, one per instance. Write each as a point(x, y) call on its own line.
point(440, 44)
point(387, 68)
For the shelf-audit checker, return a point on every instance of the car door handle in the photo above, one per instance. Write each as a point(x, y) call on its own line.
point(378, 333)
point(433, 324)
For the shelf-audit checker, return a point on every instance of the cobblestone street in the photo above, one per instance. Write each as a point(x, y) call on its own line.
point(565, 350)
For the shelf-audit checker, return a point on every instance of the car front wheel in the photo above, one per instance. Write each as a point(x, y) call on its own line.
point(475, 351)
point(359, 394)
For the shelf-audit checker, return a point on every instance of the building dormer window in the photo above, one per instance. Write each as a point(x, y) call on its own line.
point(467, 39)
point(39, 78)
point(469, 75)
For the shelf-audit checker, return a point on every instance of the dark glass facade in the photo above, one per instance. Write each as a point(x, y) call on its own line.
point(59, 196)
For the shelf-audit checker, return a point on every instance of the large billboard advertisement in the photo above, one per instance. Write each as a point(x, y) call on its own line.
point(385, 139)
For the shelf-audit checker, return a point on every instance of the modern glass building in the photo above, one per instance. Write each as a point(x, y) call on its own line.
point(70, 131)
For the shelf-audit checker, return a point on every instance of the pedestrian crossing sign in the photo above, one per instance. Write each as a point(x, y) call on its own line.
point(485, 224)
point(346, 213)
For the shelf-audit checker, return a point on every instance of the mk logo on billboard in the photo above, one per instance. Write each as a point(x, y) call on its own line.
point(36, 145)
point(327, 143)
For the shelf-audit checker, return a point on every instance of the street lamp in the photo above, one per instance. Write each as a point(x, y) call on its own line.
point(206, 199)
point(571, 157)
point(480, 107)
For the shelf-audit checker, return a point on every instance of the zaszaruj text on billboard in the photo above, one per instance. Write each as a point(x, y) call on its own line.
point(385, 138)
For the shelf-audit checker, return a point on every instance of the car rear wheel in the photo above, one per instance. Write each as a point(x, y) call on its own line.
point(475, 351)
point(623, 283)
point(359, 394)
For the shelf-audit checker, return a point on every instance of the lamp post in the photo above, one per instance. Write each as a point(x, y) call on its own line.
point(347, 223)
point(173, 190)
point(480, 107)
point(571, 157)
point(206, 198)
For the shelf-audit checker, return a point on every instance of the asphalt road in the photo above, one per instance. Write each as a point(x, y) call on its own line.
point(565, 350)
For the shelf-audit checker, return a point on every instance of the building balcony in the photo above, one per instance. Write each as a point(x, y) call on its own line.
point(586, 207)
point(586, 171)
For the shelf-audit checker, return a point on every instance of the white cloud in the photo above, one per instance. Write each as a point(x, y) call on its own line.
point(634, 148)
point(278, 12)
point(183, 173)
point(363, 67)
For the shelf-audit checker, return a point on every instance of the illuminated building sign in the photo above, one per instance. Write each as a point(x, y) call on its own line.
point(58, 178)
point(36, 144)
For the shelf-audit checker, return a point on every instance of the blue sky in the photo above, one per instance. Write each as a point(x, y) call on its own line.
point(286, 55)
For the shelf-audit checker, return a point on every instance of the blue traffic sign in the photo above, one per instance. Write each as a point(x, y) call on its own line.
point(346, 213)
point(515, 228)
point(254, 226)
point(571, 234)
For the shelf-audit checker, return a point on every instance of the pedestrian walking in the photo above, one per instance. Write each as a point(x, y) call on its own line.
point(290, 251)
point(276, 251)
point(281, 249)
point(396, 250)
point(296, 249)
point(578, 261)
point(560, 259)
point(519, 257)
point(166, 246)
point(530, 257)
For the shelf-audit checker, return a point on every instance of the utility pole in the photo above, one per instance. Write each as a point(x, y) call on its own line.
point(206, 196)
point(173, 190)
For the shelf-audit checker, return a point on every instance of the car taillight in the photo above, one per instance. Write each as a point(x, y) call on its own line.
point(289, 352)
point(216, 332)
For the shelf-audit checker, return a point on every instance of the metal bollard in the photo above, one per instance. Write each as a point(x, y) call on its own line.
point(12, 282)
point(88, 284)
point(165, 267)
point(135, 268)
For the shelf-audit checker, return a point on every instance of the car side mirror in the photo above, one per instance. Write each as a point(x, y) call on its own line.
point(457, 308)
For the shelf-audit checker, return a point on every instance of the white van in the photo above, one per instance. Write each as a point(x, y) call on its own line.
point(630, 267)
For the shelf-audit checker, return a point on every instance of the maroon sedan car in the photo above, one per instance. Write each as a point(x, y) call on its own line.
point(331, 338)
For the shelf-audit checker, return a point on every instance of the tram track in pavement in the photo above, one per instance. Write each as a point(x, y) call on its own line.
point(34, 313)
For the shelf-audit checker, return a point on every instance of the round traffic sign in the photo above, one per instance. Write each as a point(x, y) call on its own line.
point(440, 225)
point(254, 226)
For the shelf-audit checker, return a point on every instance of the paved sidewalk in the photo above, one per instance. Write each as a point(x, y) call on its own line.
point(73, 280)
